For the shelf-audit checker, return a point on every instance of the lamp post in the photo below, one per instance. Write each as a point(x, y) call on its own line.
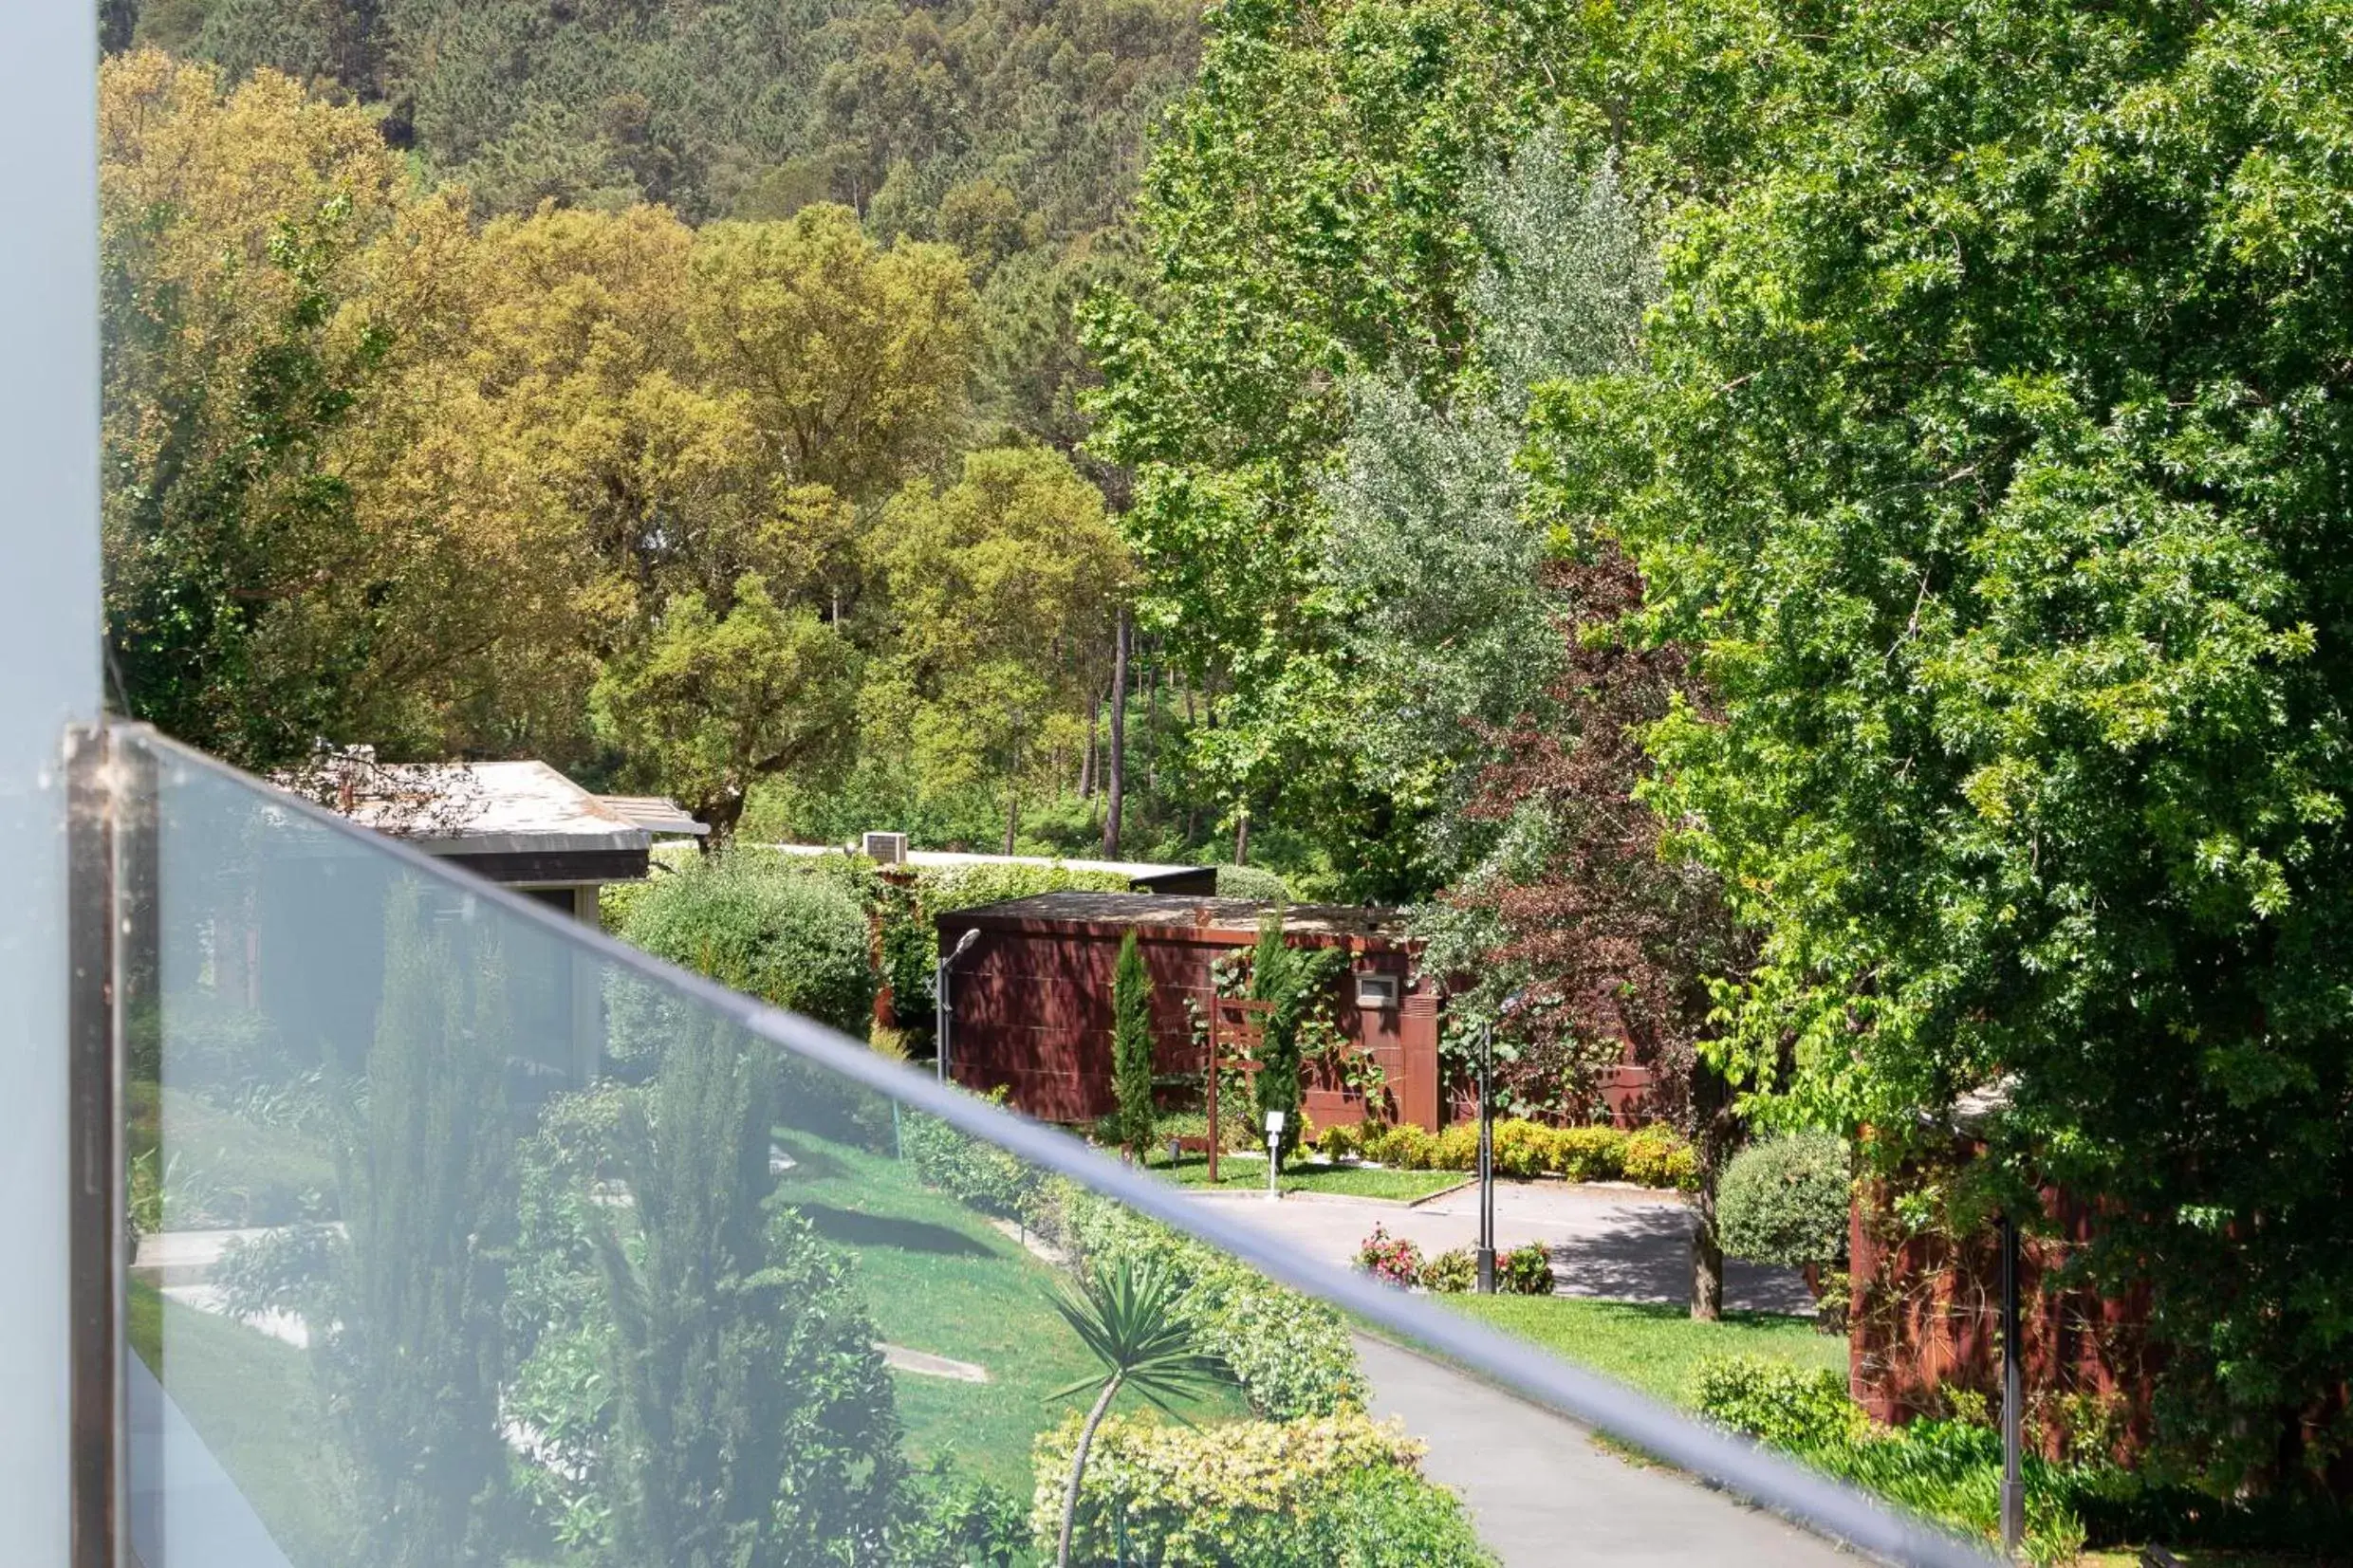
point(940, 997)
point(2013, 1396)
point(1486, 1252)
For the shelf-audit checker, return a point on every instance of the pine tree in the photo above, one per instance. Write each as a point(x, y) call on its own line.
point(1131, 1047)
point(414, 1363)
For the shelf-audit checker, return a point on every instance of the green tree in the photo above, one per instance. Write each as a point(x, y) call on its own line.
point(1131, 1047)
point(1293, 980)
point(245, 609)
point(1001, 592)
point(1990, 449)
point(415, 1354)
point(1306, 219)
point(1128, 1316)
point(710, 702)
point(756, 1418)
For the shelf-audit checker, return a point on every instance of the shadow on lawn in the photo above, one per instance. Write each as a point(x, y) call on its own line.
point(852, 1229)
point(1645, 1256)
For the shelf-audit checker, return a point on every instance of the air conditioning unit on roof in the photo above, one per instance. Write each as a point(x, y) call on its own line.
point(885, 849)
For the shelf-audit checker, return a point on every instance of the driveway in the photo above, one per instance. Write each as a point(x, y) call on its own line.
point(1620, 1243)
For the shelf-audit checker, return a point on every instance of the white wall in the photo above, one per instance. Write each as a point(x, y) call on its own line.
point(48, 676)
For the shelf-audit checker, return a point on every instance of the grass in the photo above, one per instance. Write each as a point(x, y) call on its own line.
point(251, 1399)
point(229, 1170)
point(939, 1277)
point(1653, 1347)
point(1245, 1174)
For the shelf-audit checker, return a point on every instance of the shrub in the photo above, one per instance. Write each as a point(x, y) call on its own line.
point(1451, 1272)
point(1588, 1154)
point(979, 1175)
point(947, 1521)
point(1794, 1408)
point(1291, 1354)
point(1524, 1271)
point(1457, 1149)
point(1407, 1148)
point(1250, 882)
point(1786, 1200)
point(1522, 1147)
point(1948, 1470)
point(1391, 1259)
point(793, 941)
point(1342, 1141)
point(1334, 1492)
point(1655, 1157)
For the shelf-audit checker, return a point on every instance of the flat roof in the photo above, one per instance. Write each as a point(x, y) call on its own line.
point(1180, 912)
point(1134, 871)
point(477, 808)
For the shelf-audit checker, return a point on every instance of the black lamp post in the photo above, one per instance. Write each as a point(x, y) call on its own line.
point(2013, 1396)
point(1485, 1253)
point(939, 998)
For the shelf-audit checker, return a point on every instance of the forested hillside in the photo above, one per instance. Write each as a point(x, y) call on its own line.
point(587, 347)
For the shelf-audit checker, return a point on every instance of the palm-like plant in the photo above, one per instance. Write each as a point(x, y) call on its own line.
point(1127, 1316)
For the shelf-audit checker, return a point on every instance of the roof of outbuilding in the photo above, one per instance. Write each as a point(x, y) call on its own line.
point(485, 808)
point(1173, 910)
point(1134, 871)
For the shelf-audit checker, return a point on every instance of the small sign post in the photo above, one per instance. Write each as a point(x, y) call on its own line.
point(1274, 1149)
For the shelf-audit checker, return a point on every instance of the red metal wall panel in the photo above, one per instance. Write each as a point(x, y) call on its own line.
point(1033, 1016)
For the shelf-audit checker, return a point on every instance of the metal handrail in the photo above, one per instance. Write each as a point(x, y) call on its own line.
point(1769, 1480)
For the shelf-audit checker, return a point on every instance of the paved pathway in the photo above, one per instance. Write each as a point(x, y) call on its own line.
point(1624, 1244)
point(1545, 1496)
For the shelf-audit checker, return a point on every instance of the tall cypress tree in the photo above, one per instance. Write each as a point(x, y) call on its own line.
point(757, 1421)
point(414, 1362)
point(1131, 1047)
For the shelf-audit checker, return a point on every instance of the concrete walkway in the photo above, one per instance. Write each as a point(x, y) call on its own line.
point(1620, 1243)
point(1542, 1495)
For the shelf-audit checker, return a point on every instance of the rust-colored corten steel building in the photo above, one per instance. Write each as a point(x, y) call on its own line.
point(1032, 997)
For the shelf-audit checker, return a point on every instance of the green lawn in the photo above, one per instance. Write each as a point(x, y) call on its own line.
point(1654, 1347)
point(1355, 1181)
point(938, 1278)
point(251, 1399)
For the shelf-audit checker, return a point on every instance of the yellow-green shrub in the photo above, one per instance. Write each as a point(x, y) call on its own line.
point(1588, 1153)
point(1295, 1494)
point(1522, 1147)
point(1457, 1148)
point(1656, 1157)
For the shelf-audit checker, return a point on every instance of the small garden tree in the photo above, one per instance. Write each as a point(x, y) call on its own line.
point(1127, 1316)
point(1288, 978)
point(1131, 1047)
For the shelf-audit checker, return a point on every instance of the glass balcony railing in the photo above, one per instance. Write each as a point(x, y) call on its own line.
point(461, 1234)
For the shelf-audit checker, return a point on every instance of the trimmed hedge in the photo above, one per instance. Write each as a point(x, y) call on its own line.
point(1653, 1157)
point(1786, 1200)
point(794, 941)
point(1291, 1354)
point(1334, 1492)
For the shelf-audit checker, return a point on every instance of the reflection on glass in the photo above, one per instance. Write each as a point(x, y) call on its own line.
point(455, 1243)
